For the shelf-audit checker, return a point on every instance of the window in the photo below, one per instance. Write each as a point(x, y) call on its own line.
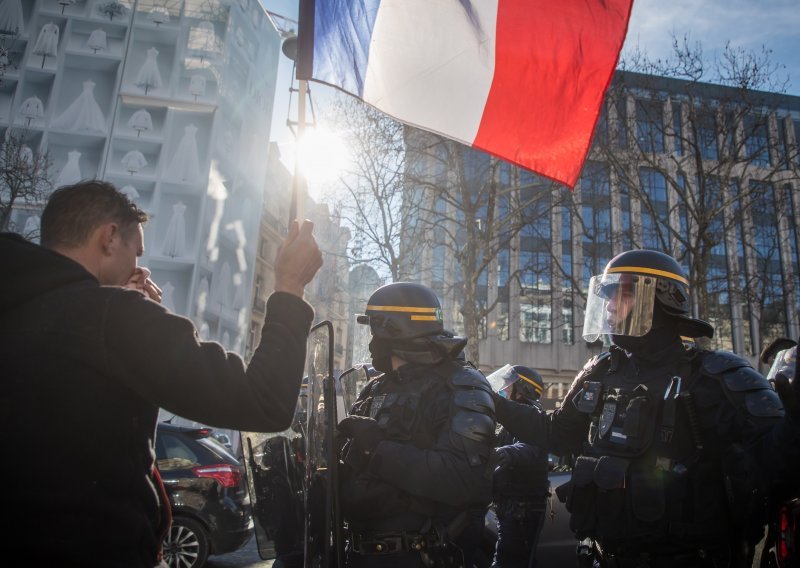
point(655, 210)
point(649, 126)
point(757, 141)
point(677, 128)
point(534, 323)
point(769, 280)
point(173, 453)
point(622, 122)
point(596, 217)
point(707, 137)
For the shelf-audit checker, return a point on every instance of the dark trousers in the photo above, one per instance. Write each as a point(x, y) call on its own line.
point(517, 538)
point(395, 560)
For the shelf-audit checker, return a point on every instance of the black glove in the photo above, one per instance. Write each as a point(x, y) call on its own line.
point(502, 457)
point(790, 394)
point(365, 433)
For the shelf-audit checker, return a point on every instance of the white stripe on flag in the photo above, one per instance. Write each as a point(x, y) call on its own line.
point(425, 73)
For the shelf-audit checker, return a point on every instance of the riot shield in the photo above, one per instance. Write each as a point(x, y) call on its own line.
point(349, 384)
point(292, 474)
point(323, 542)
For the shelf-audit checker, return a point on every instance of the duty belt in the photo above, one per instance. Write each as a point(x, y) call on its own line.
point(387, 542)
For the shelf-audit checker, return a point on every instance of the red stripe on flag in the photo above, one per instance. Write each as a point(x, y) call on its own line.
point(554, 62)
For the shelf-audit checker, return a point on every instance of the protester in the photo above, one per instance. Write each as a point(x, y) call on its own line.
point(86, 365)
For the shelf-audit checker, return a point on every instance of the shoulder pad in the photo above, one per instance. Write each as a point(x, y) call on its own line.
point(473, 425)
point(716, 362)
point(467, 377)
point(593, 364)
point(745, 379)
point(476, 400)
point(744, 386)
point(764, 403)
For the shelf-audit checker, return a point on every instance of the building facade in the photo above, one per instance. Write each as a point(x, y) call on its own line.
point(708, 174)
point(172, 102)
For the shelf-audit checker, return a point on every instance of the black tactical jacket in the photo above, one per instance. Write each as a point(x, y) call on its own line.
point(436, 462)
point(84, 369)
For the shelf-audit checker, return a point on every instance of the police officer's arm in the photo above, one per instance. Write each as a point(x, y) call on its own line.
point(521, 454)
point(560, 433)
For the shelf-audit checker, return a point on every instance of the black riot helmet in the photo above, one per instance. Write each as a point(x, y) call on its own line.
point(403, 310)
point(622, 301)
point(517, 379)
point(405, 320)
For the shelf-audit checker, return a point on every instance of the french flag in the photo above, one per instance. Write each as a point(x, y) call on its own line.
point(523, 80)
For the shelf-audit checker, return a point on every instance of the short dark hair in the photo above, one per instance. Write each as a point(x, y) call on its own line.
point(74, 211)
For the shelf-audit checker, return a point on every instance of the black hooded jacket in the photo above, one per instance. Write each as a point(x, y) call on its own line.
point(84, 369)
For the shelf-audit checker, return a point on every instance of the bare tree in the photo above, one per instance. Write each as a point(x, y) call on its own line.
point(373, 202)
point(472, 209)
point(24, 178)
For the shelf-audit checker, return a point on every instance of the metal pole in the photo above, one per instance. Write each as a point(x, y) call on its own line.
point(299, 189)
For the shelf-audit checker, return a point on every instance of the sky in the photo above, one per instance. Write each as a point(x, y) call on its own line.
point(747, 24)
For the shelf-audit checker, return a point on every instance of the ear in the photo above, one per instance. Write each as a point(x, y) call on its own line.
point(108, 236)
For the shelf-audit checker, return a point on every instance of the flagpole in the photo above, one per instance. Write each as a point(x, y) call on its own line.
point(297, 204)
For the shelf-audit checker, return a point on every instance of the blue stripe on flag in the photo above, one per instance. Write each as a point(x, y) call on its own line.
point(342, 34)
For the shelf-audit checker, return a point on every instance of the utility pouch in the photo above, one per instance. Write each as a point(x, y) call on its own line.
point(581, 496)
point(610, 479)
point(640, 419)
point(586, 400)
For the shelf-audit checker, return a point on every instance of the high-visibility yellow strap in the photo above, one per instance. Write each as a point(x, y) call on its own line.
point(424, 318)
point(405, 309)
point(653, 271)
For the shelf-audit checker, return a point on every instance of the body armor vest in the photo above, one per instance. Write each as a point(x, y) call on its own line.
point(645, 474)
point(414, 405)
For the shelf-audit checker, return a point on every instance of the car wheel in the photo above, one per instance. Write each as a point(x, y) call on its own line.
point(186, 544)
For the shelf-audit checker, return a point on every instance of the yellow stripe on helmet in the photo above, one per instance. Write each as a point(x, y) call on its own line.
point(645, 270)
point(405, 309)
point(536, 386)
point(423, 318)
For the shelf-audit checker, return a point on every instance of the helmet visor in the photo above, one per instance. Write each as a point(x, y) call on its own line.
point(784, 364)
point(619, 304)
point(502, 380)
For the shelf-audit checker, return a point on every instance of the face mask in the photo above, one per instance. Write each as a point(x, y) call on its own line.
point(381, 355)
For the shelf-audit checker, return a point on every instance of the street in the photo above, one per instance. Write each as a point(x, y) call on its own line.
point(246, 557)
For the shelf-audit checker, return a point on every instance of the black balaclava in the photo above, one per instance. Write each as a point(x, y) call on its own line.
point(381, 352)
point(663, 332)
point(429, 350)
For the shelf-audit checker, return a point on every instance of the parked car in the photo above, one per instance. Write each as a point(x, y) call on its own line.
point(208, 495)
point(223, 439)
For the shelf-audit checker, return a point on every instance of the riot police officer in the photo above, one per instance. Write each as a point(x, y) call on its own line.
point(416, 476)
point(521, 487)
point(673, 444)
